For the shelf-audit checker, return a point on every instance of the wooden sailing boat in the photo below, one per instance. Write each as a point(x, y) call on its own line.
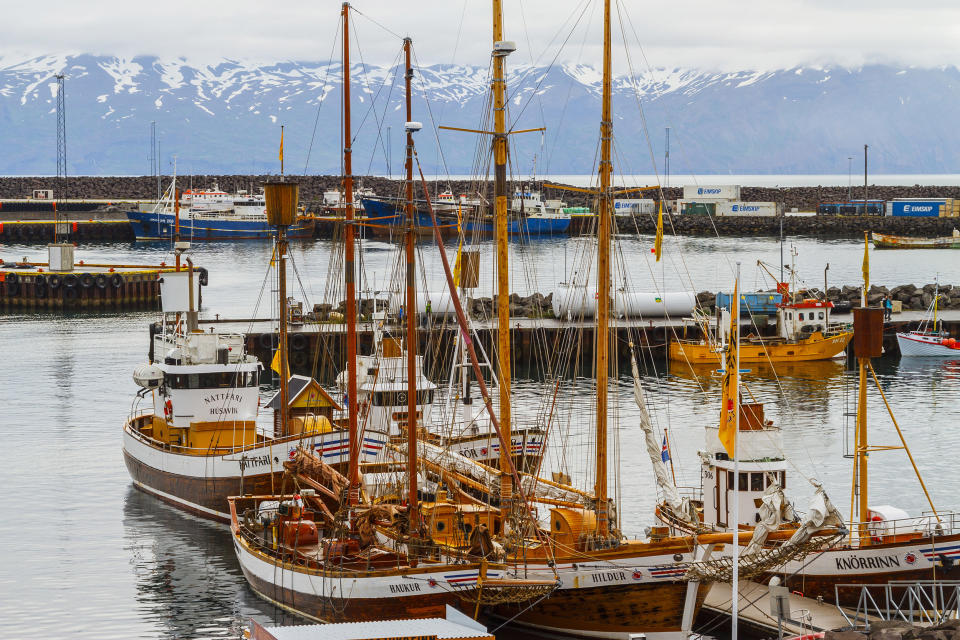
point(884, 544)
point(198, 442)
point(330, 567)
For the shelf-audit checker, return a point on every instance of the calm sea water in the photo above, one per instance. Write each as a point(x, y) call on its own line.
point(85, 555)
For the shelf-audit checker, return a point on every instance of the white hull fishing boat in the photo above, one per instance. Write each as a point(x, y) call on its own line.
point(197, 442)
point(929, 341)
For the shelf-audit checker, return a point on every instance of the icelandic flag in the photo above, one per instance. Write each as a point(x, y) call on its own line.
point(664, 454)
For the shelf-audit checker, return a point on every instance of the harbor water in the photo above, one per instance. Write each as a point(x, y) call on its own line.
point(88, 556)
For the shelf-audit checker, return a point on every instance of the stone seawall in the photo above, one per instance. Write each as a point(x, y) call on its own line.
point(312, 188)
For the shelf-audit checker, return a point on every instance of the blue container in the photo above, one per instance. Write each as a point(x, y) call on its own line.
point(916, 208)
point(758, 304)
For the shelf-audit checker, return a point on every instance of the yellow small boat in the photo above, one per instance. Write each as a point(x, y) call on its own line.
point(804, 332)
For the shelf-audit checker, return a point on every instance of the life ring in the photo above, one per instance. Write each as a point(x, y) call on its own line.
point(101, 280)
point(86, 280)
point(875, 539)
point(204, 276)
point(116, 281)
point(168, 410)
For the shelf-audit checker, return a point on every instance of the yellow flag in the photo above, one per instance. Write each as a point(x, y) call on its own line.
point(275, 364)
point(658, 243)
point(866, 263)
point(281, 145)
point(731, 379)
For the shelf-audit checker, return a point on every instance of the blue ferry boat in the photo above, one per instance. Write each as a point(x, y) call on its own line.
point(530, 215)
point(212, 215)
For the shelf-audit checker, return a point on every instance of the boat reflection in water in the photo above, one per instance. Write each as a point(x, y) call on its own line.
point(813, 370)
point(186, 575)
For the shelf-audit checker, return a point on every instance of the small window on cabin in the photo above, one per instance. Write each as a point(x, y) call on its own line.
point(193, 381)
point(801, 317)
point(729, 479)
point(821, 315)
point(743, 481)
point(441, 525)
point(783, 479)
point(756, 482)
point(372, 371)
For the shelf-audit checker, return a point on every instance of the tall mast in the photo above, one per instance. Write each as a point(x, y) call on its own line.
point(862, 440)
point(413, 510)
point(284, 366)
point(603, 283)
point(503, 272)
point(353, 475)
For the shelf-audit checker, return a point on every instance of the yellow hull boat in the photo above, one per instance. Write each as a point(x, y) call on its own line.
point(774, 349)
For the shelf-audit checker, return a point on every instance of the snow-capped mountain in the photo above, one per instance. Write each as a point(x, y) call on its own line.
point(225, 117)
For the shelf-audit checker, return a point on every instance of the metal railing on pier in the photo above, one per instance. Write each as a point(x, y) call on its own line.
point(920, 602)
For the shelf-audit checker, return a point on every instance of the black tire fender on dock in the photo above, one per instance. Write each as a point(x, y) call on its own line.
point(70, 281)
point(40, 280)
point(12, 289)
point(40, 289)
point(116, 281)
point(299, 342)
point(266, 340)
point(101, 280)
point(204, 276)
point(70, 293)
point(12, 278)
point(53, 281)
point(299, 360)
point(86, 280)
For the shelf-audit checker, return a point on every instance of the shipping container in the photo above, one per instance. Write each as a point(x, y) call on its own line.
point(698, 208)
point(747, 209)
point(762, 303)
point(711, 193)
point(917, 208)
point(641, 206)
point(852, 208)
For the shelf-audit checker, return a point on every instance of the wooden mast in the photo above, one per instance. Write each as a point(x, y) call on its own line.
point(353, 474)
point(603, 284)
point(503, 273)
point(411, 291)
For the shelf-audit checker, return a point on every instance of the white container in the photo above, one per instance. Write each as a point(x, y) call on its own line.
point(60, 257)
point(746, 208)
point(642, 206)
point(711, 193)
point(175, 291)
point(579, 302)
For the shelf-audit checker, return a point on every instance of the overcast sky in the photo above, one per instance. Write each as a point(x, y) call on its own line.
point(725, 34)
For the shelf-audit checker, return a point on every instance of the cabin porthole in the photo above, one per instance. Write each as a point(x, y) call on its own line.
point(441, 526)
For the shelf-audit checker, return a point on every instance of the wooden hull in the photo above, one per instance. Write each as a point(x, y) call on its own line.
point(202, 496)
point(810, 349)
point(654, 609)
point(883, 241)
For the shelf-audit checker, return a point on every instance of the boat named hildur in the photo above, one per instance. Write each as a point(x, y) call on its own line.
point(197, 442)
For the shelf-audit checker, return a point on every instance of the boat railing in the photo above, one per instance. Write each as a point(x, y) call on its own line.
point(931, 525)
point(923, 602)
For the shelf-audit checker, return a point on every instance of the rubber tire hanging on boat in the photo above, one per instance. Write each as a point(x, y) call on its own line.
point(204, 277)
point(299, 342)
point(266, 340)
point(70, 281)
point(101, 280)
point(40, 290)
point(70, 293)
point(86, 280)
point(116, 281)
point(40, 279)
point(54, 281)
point(12, 288)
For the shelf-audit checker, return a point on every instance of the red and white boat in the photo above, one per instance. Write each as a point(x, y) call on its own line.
point(929, 340)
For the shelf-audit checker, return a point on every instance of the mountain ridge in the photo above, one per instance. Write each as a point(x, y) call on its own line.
point(224, 116)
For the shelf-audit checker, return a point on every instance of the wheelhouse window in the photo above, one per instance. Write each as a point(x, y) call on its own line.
point(220, 380)
point(756, 481)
